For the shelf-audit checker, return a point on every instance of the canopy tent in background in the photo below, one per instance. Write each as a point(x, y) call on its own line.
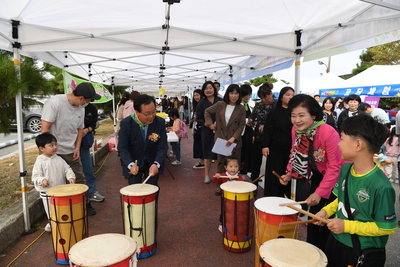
point(311, 86)
point(132, 42)
point(378, 80)
point(105, 41)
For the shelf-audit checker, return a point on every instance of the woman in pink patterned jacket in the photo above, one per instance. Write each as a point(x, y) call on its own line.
point(314, 162)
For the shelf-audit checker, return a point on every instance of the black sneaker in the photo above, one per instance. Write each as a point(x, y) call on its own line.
point(198, 166)
point(90, 210)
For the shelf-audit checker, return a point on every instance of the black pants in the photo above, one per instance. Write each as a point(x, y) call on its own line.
point(316, 235)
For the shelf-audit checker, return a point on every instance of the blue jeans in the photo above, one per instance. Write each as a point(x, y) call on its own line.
point(176, 148)
point(87, 167)
point(182, 116)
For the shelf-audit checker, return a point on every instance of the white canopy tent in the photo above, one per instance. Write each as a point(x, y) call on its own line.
point(132, 42)
point(311, 86)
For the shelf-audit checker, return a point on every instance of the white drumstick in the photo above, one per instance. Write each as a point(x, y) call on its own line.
point(228, 176)
point(148, 177)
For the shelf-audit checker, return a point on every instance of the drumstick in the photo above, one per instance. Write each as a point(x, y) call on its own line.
point(297, 222)
point(228, 176)
point(258, 178)
point(277, 175)
point(309, 214)
point(148, 177)
point(135, 164)
point(292, 203)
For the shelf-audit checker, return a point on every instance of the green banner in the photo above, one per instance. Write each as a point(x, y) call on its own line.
point(71, 82)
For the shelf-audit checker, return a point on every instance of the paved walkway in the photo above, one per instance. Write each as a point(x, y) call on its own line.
point(188, 213)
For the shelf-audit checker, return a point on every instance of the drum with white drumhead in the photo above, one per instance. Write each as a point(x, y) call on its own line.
point(104, 250)
point(287, 252)
point(268, 217)
point(237, 215)
point(140, 216)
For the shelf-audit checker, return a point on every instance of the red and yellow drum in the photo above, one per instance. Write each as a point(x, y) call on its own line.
point(237, 215)
point(140, 216)
point(287, 252)
point(68, 218)
point(268, 217)
point(104, 250)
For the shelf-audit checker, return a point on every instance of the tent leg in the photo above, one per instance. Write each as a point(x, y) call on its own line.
point(20, 131)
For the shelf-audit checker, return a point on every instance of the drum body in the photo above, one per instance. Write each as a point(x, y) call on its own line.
point(268, 216)
point(104, 250)
point(68, 218)
point(140, 216)
point(237, 215)
point(287, 252)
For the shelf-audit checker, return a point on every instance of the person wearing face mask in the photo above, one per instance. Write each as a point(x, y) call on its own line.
point(63, 108)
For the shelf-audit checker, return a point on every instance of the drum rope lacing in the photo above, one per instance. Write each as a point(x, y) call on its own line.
point(37, 238)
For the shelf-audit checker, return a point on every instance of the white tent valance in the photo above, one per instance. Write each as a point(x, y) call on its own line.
point(216, 40)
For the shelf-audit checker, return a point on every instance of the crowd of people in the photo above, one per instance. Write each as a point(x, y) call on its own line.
point(312, 142)
point(329, 148)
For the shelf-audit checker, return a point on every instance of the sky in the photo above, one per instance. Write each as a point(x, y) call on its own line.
point(340, 64)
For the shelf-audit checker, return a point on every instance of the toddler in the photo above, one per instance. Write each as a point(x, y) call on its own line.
point(176, 127)
point(49, 170)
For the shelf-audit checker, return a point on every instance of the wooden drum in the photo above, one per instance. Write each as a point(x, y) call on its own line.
point(140, 216)
point(287, 252)
point(237, 215)
point(68, 218)
point(104, 250)
point(268, 217)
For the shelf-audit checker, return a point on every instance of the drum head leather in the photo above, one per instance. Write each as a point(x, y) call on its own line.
point(238, 187)
point(102, 250)
point(138, 190)
point(270, 205)
point(287, 252)
point(67, 190)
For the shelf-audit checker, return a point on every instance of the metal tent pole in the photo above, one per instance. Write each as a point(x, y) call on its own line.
point(20, 129)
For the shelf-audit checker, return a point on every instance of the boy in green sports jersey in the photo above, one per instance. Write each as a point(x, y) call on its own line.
point(370, 194)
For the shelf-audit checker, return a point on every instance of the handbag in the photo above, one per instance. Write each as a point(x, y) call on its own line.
point(194, 127)
point(369, 257)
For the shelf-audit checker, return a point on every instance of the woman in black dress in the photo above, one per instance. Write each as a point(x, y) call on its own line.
point(207, 135)
point(247, 135)
point(197, 145)
point(276, 144)
point(328, 107)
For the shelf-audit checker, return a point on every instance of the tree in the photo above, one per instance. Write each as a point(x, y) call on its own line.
point(367, 61)
point(263, 79)
point(32, 82)
point(386, 54)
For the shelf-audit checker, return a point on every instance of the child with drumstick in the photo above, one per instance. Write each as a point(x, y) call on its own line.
point(49, 170)
point(364, 209)
point(231, 166)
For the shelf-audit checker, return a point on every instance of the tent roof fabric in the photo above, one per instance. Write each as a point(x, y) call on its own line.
point(127, 41)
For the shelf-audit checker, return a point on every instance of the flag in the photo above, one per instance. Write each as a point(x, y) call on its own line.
point(162, 90)
point(71, 82)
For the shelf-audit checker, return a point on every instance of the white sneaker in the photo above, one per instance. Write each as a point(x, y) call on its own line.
point(172, 155)
point(176, 162)
point(220, 228)
point(207, 179)
point(47, 228)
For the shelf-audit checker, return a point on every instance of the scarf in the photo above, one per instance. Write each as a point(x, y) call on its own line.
point(302, 152)
point(246, 105)
point(136, 119)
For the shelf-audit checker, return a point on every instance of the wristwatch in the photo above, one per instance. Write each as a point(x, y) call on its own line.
point(157, 164)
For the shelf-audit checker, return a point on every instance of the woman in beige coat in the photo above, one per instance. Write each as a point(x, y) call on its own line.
point(230, 121)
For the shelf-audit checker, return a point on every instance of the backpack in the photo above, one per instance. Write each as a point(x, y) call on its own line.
point(182, 133)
